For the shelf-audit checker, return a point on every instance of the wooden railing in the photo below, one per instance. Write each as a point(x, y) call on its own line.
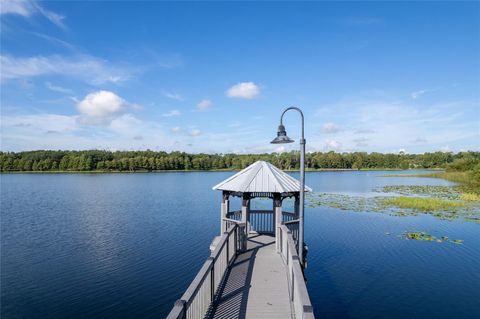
point(262, 221)
point(236, 215)
point(197, 300)
point(297, 288)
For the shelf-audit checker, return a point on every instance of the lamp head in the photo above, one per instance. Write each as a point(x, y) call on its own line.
point(282, 137)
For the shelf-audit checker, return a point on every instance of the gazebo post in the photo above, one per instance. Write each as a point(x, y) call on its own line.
point(224, 211)
point(296, 206)
point(277, 216)
point(246, 212)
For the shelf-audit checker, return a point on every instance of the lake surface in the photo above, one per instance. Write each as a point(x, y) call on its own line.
point(127, 245)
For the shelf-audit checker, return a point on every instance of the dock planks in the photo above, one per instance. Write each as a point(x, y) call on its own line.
point(256, 285)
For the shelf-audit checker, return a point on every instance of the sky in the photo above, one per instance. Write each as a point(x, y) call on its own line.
point(214, 77)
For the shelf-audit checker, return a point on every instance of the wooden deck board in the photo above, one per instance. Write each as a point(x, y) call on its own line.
point(256, 285)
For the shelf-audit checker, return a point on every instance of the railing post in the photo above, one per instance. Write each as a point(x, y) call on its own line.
point(212, 280)
point(235, 239)
point(228, 248)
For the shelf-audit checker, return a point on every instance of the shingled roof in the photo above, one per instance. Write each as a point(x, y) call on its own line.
point(261, 177)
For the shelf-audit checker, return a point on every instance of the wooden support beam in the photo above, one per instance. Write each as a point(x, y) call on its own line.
point(277, 213)
point(224, 210)
point(246, 212)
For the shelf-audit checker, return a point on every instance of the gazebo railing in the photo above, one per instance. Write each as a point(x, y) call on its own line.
point(297, 287)
point(262, 221)
point(197, 299)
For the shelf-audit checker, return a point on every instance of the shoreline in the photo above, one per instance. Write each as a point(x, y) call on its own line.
point(213, 170)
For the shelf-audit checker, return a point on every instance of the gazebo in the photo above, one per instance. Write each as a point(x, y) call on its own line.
point(261, 180)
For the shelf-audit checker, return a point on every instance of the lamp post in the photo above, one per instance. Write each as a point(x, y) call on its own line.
point(282, 138)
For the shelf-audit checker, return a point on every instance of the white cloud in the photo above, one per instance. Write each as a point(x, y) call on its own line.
point(204, 105)
point(280, 149)
point(19, 7)
point(330, 128)
point(101, 103)
point(41, 123)
point(333, 145)
point(57, 88)
point(244, 90)
point(415, 95)
point(176, 129)
point(55, 131)
point(171, 113)
point(28, 8)
point(173, 95)
point(393, 124)
point(84, 67)
point(101, 108)
point(125, 123)
point(195, 132)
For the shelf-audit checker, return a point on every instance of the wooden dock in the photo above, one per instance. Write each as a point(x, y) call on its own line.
point(254, 270)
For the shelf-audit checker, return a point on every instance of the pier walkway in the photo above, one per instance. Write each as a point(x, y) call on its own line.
point(254, 270)
point(256, 285)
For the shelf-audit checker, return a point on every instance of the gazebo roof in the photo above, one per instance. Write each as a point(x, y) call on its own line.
point(261, 177)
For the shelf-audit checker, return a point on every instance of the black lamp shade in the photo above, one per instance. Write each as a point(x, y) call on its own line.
point(282, 137)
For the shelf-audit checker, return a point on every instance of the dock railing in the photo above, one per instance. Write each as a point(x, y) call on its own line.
point(197, 299)
point(297, 287)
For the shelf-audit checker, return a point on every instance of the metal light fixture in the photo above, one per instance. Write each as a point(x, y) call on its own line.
point(282, 138)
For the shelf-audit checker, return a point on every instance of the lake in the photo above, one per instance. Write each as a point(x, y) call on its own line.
point(127, 245)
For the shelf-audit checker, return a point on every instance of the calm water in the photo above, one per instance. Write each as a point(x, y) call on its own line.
point(127, 245)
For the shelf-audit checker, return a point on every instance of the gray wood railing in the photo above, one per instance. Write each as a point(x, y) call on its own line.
point(297, 287)
point(262, 221)
point(196, 302)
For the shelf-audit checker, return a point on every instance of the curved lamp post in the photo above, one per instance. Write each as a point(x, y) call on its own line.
point(282, 138)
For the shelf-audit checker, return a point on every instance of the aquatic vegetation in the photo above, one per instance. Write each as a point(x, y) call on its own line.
point(441, 202)
point(423, 236)
point(470, 197)
point(469, 180)
point(444, 192)
point(457, 177)
point(426, 204)
point(343, 202)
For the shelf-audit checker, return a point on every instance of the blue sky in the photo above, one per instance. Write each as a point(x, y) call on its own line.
point(214, 77)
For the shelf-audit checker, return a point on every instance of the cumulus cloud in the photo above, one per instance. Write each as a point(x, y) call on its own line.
point(101, 108)
point(244, 90)
point(330, 128)
point(28, 8)
point(171, 113)
point(84, 67)
point(176, 129)
point(204, 105)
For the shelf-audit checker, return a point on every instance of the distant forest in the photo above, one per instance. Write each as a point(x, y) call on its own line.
point(97, 160)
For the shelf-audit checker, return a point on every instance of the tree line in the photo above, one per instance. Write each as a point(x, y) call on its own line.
point(99, 160)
